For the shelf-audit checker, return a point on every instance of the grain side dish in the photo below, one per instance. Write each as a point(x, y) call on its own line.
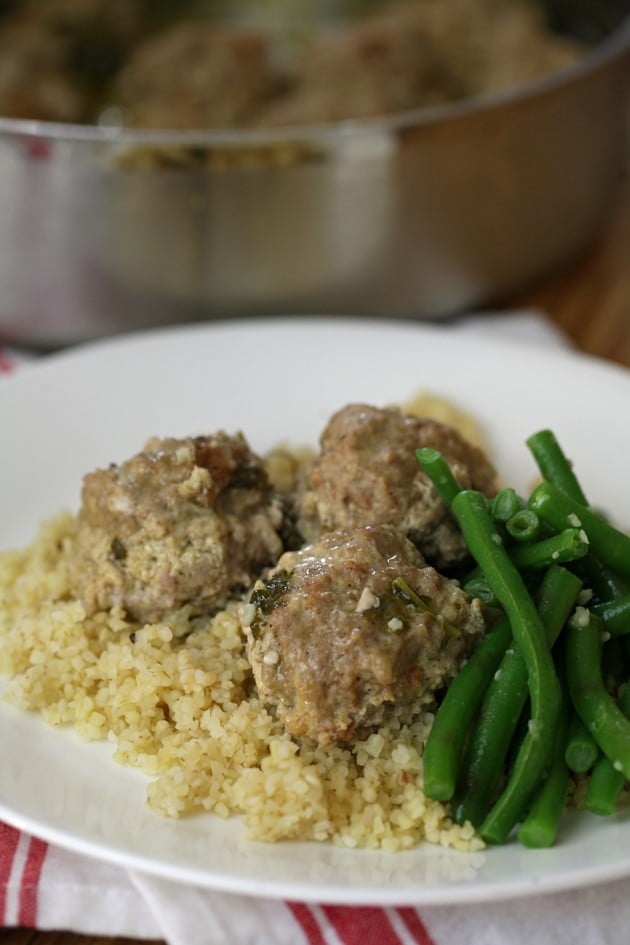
point(176, 692)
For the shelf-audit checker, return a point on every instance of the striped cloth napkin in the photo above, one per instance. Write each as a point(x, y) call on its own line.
point(45, 887)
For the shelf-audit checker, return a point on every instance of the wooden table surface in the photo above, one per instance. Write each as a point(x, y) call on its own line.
point(589, 299)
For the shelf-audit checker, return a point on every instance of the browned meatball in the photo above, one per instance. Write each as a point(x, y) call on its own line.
point(55, 53)
point(338, 650)
point(183, 523)
point(367, 473)
point(384, 64)
point(34, 82)
point(416, 54)
point(196, 75)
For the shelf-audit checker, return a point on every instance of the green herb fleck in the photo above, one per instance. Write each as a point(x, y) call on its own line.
point(266, 596)
point(404, 590)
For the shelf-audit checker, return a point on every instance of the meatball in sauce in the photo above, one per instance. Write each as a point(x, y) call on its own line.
point(367, 474)
point(185, 523)
point(354, 630)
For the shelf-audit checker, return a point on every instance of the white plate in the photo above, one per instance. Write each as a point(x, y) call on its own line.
point(281, 380)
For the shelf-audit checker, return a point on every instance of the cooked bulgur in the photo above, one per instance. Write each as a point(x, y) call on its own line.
point(184, 709)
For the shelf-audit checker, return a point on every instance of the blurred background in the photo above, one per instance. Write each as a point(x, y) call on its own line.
point(175, 162)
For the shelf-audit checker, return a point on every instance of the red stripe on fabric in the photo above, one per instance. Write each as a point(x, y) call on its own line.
point(29, 887)
point(362, 925)
point(307, 921)
point(416, 926)
point(6, 364)
point(9, 839)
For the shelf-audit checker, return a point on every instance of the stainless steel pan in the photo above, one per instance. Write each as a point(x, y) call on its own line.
point(419, 215)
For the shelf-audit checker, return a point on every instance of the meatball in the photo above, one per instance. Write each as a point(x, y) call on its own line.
point(367, 474)
point(54, 54)
point(196, 75)
point(412, 55)
point(363, 69)
point(338, 648)
point(186, 522)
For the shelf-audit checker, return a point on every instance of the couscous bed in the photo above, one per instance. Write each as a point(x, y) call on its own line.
point(176, 698)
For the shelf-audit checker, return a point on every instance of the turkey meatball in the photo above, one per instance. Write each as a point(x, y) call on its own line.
point(195, 75)
point(354, 630)
point(186, 522)
point(367, 473)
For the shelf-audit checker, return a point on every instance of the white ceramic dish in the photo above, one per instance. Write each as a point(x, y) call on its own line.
point(281, 380)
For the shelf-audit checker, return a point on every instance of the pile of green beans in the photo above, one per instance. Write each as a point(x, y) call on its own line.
point(544, 700)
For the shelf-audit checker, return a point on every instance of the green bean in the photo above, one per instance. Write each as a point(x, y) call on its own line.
point(598, 710)
point(624, 700)
point(439, 472)
point(606, 781)
point(558, 470)
point(562, 548)
point(444, 745)
point(604, 787)
point(554, 465)
point(480, 534)
point(503, 704)
point(568, 545)
point(524, 525)
point(606, 584)
point(506, 504)
point(615, 615)
point(613, 661)
point(483, 763)
point(582, 750)
point(607, 543)
point(477, 586)
point(540, 827)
